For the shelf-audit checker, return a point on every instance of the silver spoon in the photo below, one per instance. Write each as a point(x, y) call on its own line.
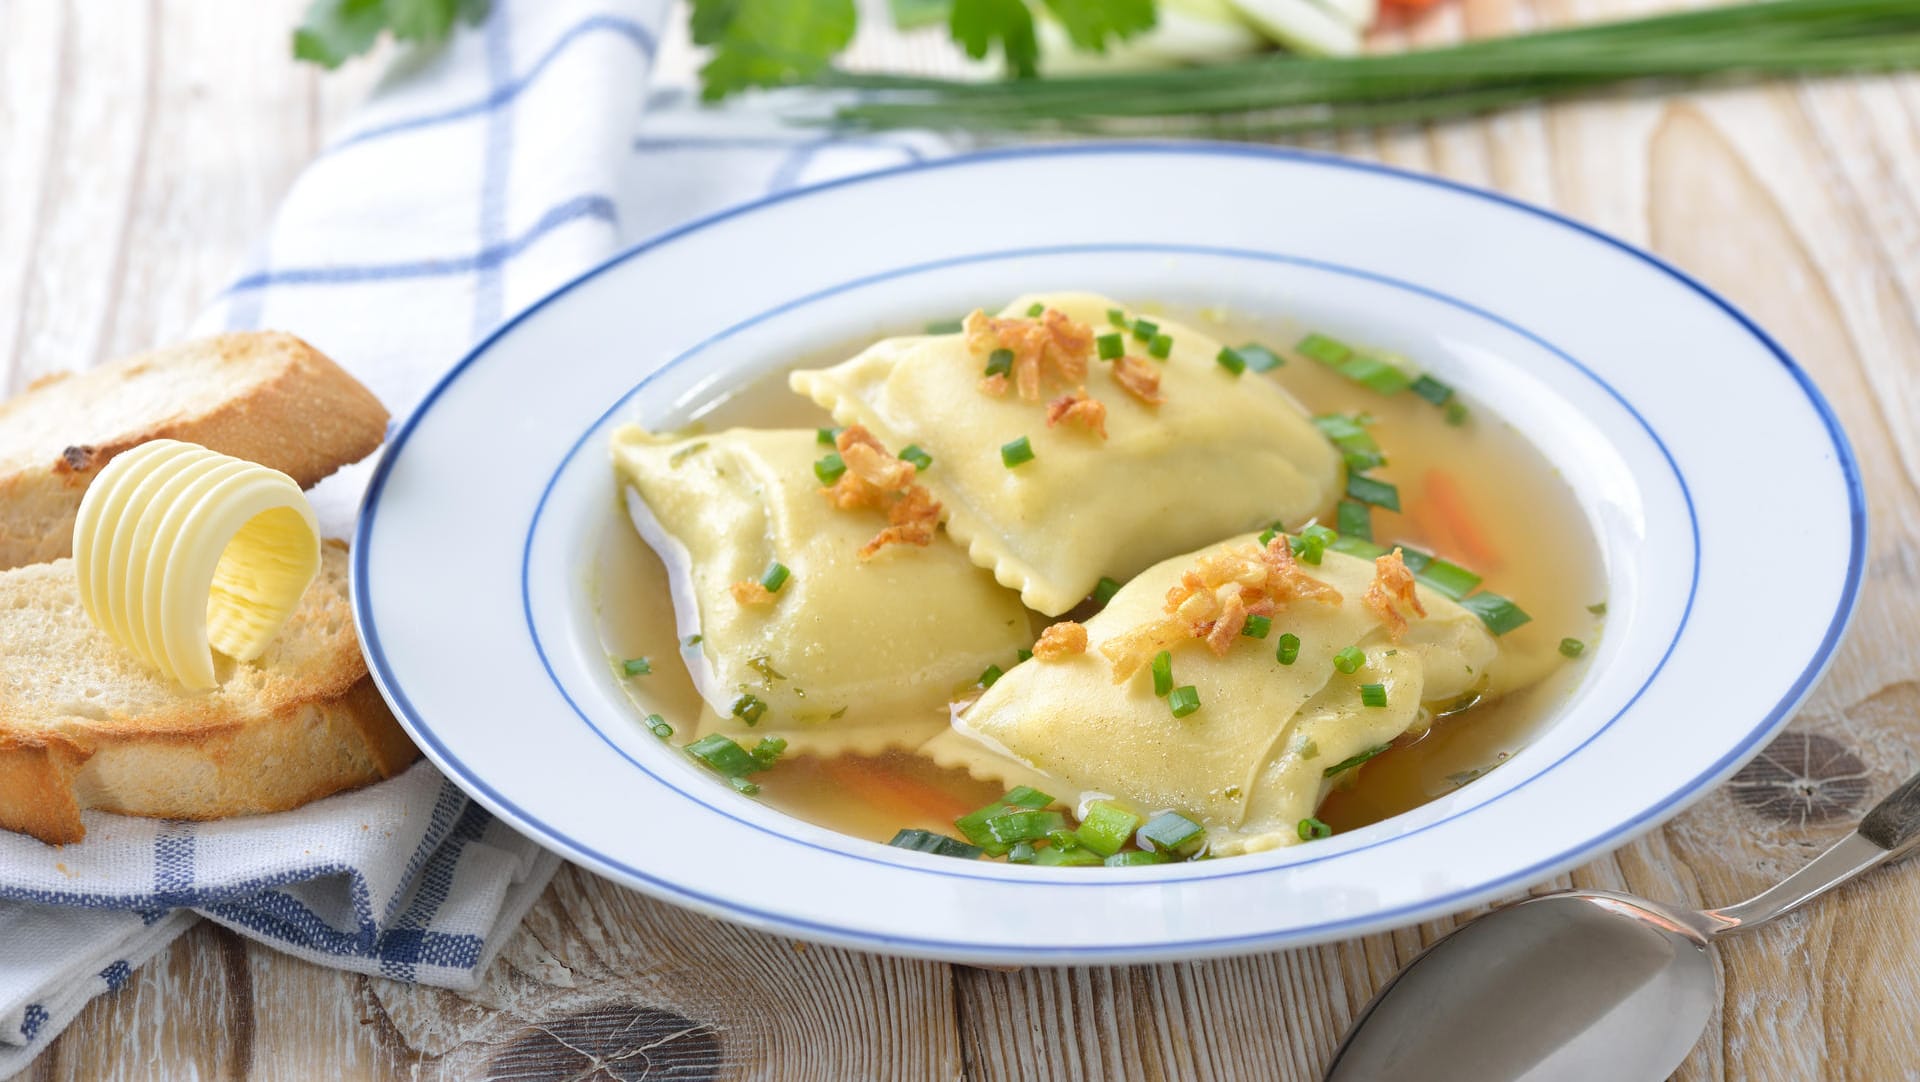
point(1584, 984)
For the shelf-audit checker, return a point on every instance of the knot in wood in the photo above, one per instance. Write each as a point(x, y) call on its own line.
point(1801, 778)
point(617, 1043)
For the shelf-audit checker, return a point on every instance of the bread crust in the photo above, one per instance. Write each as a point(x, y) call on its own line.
point(298, 412)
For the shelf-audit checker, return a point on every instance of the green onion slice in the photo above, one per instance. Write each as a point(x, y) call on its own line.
point(830, 467)
point(1017, 453)
point(926, 841)
point(1374, 695)
point(1014, 826)
point(1326, 350)
point(826, 435)
point(1499, 614)
point(1104, 590)
point(1432, 390)
point(1376, 492)
point(1107, 827)
point(1000, 362)
point(945, 326)
point(1572, 647)
point(1354, 519)
point(1036, 310)
point(1144, 329)
point(1230, 359)
point(658, 726)
point(1183, 700)
point(1257, 627)
point(1170, 831)
point(1353, 761)
point(1109, 346)
point(1160, 346)
point(1312, 829)
point(1350, 659)
point(1260, 358)
point(990, 676)
point(723, 756)
point(1077, 857)
point(1288, 651)
point(637, 666)
point(775, 576)
point(1134, 858)
point(1162, 673)
point(921, 460)
point(748, 708)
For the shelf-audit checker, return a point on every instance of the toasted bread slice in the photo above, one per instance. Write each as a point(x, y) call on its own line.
point(265, 397)
point(84, 724)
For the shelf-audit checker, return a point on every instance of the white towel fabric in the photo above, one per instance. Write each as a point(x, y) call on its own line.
point(475, 180)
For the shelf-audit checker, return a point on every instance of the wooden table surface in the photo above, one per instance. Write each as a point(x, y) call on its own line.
point(142, 147)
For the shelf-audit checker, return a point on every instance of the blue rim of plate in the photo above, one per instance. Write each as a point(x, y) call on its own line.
point(1846, 461)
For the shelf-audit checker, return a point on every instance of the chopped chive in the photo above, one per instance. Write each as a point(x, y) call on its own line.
point(1272, 531)
point(1162, 673)
point(692, 641)
point(1116, 317)
point(1374, 695)
point(830, 467)
point(658, 726)
point(826, 435)
point(1134, 858)
point(1104, 590)
point(1017, 453)
point(1288, 651)
point(1355, 519)
point(1106, 827)
point(1456, 414)
point(1432, 390)
point(1499, 614)
point(748, 708)
point(1257, 627)
point(743, 786)
point(1036, 309)
point(1447, 577)
point(768, 751)
point(1369, 490)
point(1230, 360)
point(1353, 761)
point(1598, 608)
point(1170, 831)
point(1323, 349)
point(1572, 647)
point(1077, 857)
point(775, 576)
point(1110, 346)
point(945, 326)
point(1024, 825)
point(1350, 659)
point(1354, 546)
point(1183, 700)
point(1027, 796)
point(926, 841)
point(921, 460)
point(636, 666)
point(1311, 543)
point(1000, 362)
point(1312, 829)
point(1144, 330)
point(1063, 839)
point(723, 756)
point(1023, 654)
point(1160, 346)
point(990, 676)
point(1021, 854)
point(1260, 358)
point(1376, 374)
point(1349, 434)
point(1415, 560)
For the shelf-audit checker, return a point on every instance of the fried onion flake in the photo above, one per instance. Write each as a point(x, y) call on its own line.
point(879, 481)
point(1391, 589)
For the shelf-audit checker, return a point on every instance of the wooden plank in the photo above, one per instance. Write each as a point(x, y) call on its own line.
point(146, 145)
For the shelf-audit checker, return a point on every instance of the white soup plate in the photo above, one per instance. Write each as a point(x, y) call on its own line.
point(1708, 466)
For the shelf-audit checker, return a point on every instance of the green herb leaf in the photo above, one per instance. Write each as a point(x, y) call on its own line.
point(981, 25)
point(768, 42)
point(1090, 23)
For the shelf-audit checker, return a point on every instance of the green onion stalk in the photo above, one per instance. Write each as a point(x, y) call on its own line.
point(1280, 95)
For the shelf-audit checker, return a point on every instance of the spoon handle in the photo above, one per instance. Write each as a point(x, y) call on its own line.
point(1888, 831)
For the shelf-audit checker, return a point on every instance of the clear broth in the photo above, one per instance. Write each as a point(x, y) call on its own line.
point(1524, 532)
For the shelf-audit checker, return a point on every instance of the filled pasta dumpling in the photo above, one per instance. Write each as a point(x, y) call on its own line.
point(1077, 441)
point(1229, 685)
point(818, 606)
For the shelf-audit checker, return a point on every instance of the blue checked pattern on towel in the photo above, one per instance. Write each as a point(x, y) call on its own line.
point(471, 183)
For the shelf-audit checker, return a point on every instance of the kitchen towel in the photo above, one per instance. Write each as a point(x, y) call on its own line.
point(475, 179)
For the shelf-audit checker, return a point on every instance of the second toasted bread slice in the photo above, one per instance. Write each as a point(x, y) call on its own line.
point(83, 724)
point(266, 397)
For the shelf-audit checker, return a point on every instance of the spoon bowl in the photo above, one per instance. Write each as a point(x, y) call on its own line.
point(1584, 984)
point(1574, 986)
